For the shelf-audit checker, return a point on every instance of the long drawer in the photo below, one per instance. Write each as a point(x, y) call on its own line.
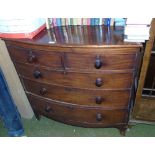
point(82, 116)
point(103, 59)
point(112, 80)
point(106, 98)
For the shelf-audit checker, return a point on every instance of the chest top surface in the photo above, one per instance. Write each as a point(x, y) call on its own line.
point(81, 36)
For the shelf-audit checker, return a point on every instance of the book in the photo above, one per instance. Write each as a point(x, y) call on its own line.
point(71, 21)
point(63, 21)
point(88, 21)
point(136, 30)
point(54, 22)
point(67, 21)
point(79, 21)
point(144, 37)
point(112, 21)
point(101, 21)
point(120, 22)
point(96, 21)
point(107, 21)
point(134, 40)
point(84, 21)
point(141, 21)
point(92, 21)
point(58, 21)
point(74, 21)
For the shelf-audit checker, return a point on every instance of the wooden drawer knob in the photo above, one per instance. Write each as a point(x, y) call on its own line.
point(37, 74)
point(98, 100)
point(99, 82)
point(99, 117)
point(43, 91)
point(98, 62)
point(31, 58)
point(48, 109)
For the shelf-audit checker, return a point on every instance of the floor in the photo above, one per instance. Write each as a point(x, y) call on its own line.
point(49, 128)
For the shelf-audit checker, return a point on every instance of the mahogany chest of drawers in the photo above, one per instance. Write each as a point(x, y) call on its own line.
point(89, 83)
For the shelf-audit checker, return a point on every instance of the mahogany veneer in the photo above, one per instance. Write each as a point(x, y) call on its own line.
point(86, 77)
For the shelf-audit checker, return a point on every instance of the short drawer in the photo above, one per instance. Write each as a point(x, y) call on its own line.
point(105, 98)
point(100, 61)
point(43, 58)
point(85, 80)
point(91, 117)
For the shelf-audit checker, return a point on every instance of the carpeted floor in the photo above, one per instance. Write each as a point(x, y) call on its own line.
point(49, 128)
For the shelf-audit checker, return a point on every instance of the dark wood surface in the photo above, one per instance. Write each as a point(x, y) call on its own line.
point(109, 59)
point(81, 36)
point(85, 78)
point(88, 117)
point(108, 99)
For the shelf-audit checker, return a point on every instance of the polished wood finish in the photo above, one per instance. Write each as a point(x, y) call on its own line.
point(109, 59)
point(50, 59)
point(100, 98)
point(75, 115)
point(79, 75)
point(101, 61)
point(106, 37)
point(88, 80)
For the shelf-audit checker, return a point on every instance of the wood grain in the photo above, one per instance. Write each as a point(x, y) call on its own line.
point(145, 63)
point(110, 99)
point(77, 79)
point(76, 115)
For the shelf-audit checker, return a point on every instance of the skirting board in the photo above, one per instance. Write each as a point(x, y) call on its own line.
point(14, 83)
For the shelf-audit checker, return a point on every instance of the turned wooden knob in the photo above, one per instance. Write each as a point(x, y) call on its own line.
point(99, 117)
point(31, 58)
point(98, 62)
point(98, 100)
point(99, 82)
point(48, 109)
point(37, 74)
point(43, 91)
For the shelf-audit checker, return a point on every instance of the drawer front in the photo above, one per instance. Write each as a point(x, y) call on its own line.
point(100, 61)
point(77, 115)
point(75, 79)
point(107, 99)
point(43, 58)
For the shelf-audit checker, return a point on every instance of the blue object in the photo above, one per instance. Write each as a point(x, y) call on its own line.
point(120, 22)
point(8, 111)
point(92, 21)
point(96, 21)
point(107, 21)
point(58, 21)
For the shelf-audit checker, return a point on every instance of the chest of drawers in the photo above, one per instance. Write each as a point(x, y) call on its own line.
point(88, 84)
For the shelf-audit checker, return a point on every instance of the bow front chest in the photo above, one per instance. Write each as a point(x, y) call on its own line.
point(83, 76)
